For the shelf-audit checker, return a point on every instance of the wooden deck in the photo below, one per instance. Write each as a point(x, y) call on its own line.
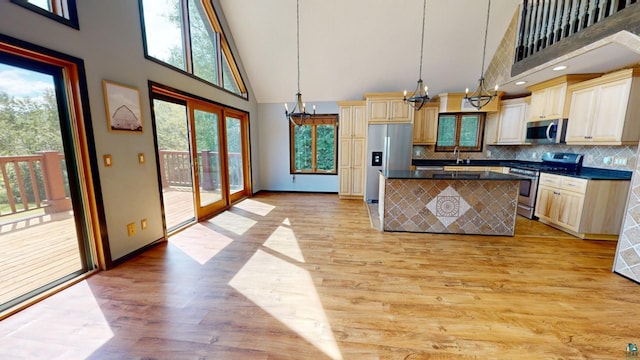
point(40, 249)
point(35, 252)
point(305, 276)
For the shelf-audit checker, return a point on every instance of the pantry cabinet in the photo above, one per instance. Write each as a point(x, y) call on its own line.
point(549, 99)
point(352, 149)
point(589, 209)
point(425, 125)
point(604, 110)
point(387, 108)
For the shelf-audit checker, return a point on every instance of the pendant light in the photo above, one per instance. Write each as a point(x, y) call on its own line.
point(421, 94)
point(481, 97)
point(299, 111)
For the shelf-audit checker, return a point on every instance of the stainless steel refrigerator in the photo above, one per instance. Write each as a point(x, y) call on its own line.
point(389, 147)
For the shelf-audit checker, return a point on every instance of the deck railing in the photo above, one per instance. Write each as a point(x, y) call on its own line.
point(545, 22)
point(175, 169)
point(32, 182)
point(38, 181)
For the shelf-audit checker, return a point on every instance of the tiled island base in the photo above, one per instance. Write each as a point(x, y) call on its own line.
point(454, 206)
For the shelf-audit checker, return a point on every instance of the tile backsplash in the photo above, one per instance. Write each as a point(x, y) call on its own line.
point(598, 156)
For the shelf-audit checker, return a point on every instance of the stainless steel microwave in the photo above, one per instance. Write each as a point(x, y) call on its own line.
point(546, 131)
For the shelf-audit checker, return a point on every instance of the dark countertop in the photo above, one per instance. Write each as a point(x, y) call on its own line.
point(589, 173)
point(447, 175)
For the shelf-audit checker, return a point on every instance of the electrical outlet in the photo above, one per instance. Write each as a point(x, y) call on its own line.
point(143, 224)
point(488, 153)
point(131, 229)
point(623, 161)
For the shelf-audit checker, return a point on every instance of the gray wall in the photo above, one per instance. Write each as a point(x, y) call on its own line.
point(274, 151)
point(110, 43)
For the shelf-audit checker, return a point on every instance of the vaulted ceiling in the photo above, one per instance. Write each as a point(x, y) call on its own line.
point(350, 47)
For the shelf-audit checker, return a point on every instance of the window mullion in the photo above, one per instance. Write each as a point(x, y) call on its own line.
point(219, 58)
point(314, 149)
point(186, 37)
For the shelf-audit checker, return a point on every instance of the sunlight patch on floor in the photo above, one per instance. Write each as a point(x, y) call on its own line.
point(83, 331)
point(200, 243)
point(287, 293)
point(235, 223)
point(256, 207)
point(283, 240)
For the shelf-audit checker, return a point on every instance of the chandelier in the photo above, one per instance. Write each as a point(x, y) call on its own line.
point(421, 94)
point(481, 96)
point(299, 111)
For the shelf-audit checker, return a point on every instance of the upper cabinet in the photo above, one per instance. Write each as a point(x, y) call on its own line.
point(454, 102)
point(387, 108)
point(549, 99)
point(425, 124)
point(605, 110)
point(353, 121)
point(508, 126)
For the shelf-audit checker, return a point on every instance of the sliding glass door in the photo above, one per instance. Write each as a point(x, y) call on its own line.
point(210, 182)
point(203, 156)
point(43, 227)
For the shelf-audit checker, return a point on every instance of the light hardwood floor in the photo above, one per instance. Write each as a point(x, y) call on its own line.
point(304, 276)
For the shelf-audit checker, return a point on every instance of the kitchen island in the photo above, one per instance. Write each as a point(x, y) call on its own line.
point(454, 202)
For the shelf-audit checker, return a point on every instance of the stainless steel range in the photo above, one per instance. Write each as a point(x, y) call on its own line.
point(530, 172)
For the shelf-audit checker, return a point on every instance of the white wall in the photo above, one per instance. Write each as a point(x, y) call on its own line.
point(110, 43)
point(274, 152)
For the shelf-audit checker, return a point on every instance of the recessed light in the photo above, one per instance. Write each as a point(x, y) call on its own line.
point(558, 68)
point(521, 82)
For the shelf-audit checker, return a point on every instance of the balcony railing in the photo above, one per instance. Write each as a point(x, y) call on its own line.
point(545, 22)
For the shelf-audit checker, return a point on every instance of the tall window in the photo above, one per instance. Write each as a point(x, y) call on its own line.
point(462, 131)
point(63, 11)
point(313, 145)
point(186, 35)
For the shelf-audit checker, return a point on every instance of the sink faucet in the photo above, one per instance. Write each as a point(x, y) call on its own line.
point(456, 153)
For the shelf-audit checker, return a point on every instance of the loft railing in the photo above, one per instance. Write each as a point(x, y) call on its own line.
point(545, 22)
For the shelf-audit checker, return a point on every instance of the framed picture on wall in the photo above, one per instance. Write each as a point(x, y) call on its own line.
point(123, 107)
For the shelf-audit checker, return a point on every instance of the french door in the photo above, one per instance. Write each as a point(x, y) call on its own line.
point(202, 156)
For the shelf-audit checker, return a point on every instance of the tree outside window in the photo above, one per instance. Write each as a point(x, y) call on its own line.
point(462, 130)
point(186, 35)
point(313, 145)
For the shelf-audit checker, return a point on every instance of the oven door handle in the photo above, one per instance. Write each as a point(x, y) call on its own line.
point(549, 131)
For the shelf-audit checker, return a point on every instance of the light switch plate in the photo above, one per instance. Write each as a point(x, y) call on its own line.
point(108, 160)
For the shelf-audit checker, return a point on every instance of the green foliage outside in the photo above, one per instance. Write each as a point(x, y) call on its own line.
point(324, 152)
point(27, 126)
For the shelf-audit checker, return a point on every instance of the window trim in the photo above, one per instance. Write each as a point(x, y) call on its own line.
point(479, 134)
point(58, 12)
point(321, 119)
point(221, 44)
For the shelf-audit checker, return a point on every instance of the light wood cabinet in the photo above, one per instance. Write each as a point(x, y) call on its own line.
point(604, 110)
point(508, 126)
point(590, 209)
point(425, 125)
point(388, 108)
point(454, 102)
point(549, 99)
point(352, 149)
